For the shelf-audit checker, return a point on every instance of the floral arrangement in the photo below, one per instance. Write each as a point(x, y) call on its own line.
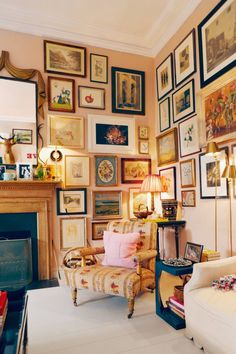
point(226, 283)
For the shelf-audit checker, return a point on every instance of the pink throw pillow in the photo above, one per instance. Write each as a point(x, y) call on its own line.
point(119, 248)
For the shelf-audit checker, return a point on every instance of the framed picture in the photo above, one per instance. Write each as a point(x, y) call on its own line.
point(23, 136)
point(138, 201)
point(73, 232)
point(116, 134)
point(98, 229)
point(164, 114)
point(24, 171)
point(128, 91)
point(185, 58)
point(2, 171)
point(76, 171)
point(193, 252)
point(167, 147)
point(71, 201)
point(66, 59)
point(188, 173)
point(134, 170)
point(216, 35)
point(169, 183)
point(107, 204)
point(188, 198)
point(91, 97)
point(8, 172)
point(189, 136)
point(98, 68)
point(143, 132)
point(183, 101)
point(211, 170)
point(143, 147)
point(66, 131)
point(61, 94)
point(105, 171)
point(164, 77)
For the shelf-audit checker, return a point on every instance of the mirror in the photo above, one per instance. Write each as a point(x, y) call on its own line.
point(18, 118)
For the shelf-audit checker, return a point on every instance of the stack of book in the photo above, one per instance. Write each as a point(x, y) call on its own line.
point(210, 255)
point(3, 309)
point(176, 306)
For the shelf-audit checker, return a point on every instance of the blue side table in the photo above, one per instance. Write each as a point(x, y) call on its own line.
point(164, 312)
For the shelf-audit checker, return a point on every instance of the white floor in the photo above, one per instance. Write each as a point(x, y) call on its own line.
point(99, 325)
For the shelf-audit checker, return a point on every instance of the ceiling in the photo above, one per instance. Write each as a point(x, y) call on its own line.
point(135, 26)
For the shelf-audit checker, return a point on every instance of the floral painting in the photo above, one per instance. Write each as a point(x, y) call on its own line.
point(189, 136)
point(108, 134)
point(106, 170)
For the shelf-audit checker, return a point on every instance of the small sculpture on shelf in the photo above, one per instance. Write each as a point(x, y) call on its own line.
point(8, 143)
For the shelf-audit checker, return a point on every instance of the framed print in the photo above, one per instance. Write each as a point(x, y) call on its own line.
point(2, 171)
point(185, 58)
point(98, 68)
point(66, 131)
point(183, 101)
point(210, 169)
point(71, 201)
point(61, 94)
point(216, 35)
point(169, 183)
point(105, 171)
point(134, 170)
point(107, 204)
point(91, 97)
point(193, 252)
point(143, 132)
point(128, 91)
point(23, 136)
point(138, 201)
point(73, 232)
point(164, 77)
point(189, 136)
point(114, 133)
point(167, 147)
point(24, 171)
point(98, 229)
point(164, 114)
point(66, 59)
point(188, 198)
point(188, 173)
point(143, 147)
point(76, 171)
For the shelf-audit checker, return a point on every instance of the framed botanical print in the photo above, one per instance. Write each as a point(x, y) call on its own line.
point(66, 59)
point(73, 232)
point(164, 77)
point(164, 114)
point(189, 136)
point(143, 147)
point(134, 170)
point(169, 183)
point(188, 198)
point(185, 58)
point(91, 97)
point(23, 136)
point(107, 204)
point(61, 94)
point(138, 201)
point(98, 229)
point(183, 101)
point(71, 201)
point(98, 68)
point(216, 35)
point(167, 147)
point(128, 91)
point(188, 173)
point(143, 132)
point(76, 171)
point(106, 171)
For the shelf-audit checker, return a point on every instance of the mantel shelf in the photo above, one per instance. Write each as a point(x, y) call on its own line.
point(29, 184)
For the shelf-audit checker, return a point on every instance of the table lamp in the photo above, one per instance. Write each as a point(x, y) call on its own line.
point(152, 184)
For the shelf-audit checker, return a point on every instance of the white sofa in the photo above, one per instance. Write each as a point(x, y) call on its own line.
point(211, 313)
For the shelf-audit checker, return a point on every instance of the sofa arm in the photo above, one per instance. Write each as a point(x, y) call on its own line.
point(144, 255)
point(204, 273)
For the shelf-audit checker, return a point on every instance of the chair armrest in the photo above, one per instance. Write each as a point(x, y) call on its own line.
point(85, 251)
point(144, 255)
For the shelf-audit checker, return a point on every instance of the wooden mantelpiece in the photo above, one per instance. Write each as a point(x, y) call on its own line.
point(33, 197)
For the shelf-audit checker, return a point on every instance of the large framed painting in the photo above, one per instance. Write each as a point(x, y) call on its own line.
point(183, 101)
point(189, 136)
point(188, 173)
point(138, 201)
point(73, 232)
point(169, 183)
point(106, 171)
point(164, 114)
point(61, 94)
point(211, 169)
point(66, 59)
point(66, 131)
point(107, 204)
point(164, 77)
point(167, 147)
point(112, 134)
point(98, 68)
point(76, 171)
point(91, 97)
point(134, 170)
point(71, 201)
point(185, 58)
point(217, 48)
point(128, 91)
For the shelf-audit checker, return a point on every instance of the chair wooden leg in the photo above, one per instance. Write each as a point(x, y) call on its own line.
point(74, 296)
point(130, 307)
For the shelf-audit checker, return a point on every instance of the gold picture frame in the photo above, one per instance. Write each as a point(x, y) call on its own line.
point(72, 232)
point(77, 171)
point(167, 147)
point(188, 173)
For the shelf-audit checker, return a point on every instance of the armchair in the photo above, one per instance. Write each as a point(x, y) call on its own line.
point(113, 280)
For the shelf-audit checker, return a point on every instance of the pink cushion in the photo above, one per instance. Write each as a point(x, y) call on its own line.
point(119, 248)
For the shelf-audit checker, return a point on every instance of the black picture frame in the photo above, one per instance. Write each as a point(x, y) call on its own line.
point(72, 210)
point(193, 252)
point(187, 111)
point(162, 129)
point(104, 67)
point(168, 61)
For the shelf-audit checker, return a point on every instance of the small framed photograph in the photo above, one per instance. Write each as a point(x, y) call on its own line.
point(138, 201)
point(91, 97)
point(2, 171)
point(106, 171)
point(98, 229)
point(98, 68)
point(134, 170)
point(24, 171)
point(183, 101)
point(193, 252)
point(77, 171)
point(61, 94)
point(23, 136)
point(169, 183)
point(143, 132)
point(188, 198)
point(188, 173)
point(71, 201)
point(167, 147)
point(73, 232)
point(107, 204)
point(164, 77)
point(189, 136)
point(143, 147)
point(164, 114)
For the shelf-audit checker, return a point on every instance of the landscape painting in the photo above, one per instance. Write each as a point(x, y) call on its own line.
point(107, 204)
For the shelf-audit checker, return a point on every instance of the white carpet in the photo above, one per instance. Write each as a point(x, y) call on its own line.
point(99, 325)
